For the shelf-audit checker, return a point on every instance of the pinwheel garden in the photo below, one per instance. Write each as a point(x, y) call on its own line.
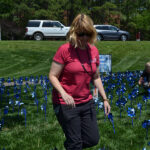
point(27, 120)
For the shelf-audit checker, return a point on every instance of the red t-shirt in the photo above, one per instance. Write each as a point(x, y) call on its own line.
point(73, 78)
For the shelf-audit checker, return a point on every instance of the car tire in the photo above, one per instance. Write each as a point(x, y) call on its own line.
point(38, 36)
point(99, 37)
point(124, 37)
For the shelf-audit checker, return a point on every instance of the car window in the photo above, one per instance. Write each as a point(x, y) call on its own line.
point(113, 28)
point(99, 27)
point(105, 27)
point(33, 24)
point(56, 24)
point(47, 24)
point(102, 28)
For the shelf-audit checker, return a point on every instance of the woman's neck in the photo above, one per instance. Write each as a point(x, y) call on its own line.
point(83, 46)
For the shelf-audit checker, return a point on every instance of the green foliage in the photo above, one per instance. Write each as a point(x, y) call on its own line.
point(6, 7)
point(121, 13)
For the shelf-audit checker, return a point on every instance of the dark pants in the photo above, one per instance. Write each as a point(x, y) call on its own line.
point(79, 125)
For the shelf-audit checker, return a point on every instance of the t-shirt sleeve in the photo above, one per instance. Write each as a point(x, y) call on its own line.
point(60, 55)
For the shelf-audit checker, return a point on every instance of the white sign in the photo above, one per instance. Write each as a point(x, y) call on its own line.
point(105, 63)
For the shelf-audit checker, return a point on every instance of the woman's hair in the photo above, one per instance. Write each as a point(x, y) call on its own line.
point(147, 65)
point(82, 24)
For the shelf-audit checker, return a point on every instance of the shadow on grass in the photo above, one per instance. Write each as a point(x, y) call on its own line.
point(12, 121)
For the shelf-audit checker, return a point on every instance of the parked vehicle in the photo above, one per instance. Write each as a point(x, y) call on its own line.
point(109, 32)
point(40, 29)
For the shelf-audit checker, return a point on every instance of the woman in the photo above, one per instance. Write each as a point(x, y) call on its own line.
point(74, 65)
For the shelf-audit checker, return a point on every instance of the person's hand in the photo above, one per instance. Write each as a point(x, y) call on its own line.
point(106, 107)
point(68, 99)
point(141, 81)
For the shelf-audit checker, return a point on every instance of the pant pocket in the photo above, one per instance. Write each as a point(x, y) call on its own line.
point(93, 108)
point(67, 112)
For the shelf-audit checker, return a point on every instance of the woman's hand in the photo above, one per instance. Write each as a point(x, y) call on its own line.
point(68, 99)
point(106, 107)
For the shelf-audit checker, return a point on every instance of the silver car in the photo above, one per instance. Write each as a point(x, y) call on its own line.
point(40, 29)
point(109, 32)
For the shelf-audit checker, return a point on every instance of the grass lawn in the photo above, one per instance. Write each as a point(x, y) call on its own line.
point(26, 58)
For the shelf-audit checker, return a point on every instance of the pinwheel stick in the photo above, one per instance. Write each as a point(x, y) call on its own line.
point(113, 126)
point(140, 114)
point(25, 120)
point(45, 112)
point(132, 121)
point(120, 112)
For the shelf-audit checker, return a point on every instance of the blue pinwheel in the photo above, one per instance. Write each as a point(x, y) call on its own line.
point(1, 124)
point(6, 110)
point(148, 143)
point(121, 103)
point(37, 103)
point(131, 113)
point(26, 79)
point(110, 97)
point(45, 96)
point(145, 99)
point(100, 106)
point(95, 98)
point(18, 103)
point(148, 93)
point(130, 98)
point(110, 117)
point(2, 90)
point(8, 80)
point(33, 94)
point(139, 106)
point(43, 108)
point(146, 125)
point(11, 102)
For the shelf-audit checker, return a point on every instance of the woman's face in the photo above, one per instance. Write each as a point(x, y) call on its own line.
point(83, 38)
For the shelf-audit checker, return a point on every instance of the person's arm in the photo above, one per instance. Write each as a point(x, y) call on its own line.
point(141, 80)
point(55, 71)
point(98, 83)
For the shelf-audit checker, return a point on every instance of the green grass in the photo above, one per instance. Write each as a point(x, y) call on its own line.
point(21, 58)
point(25, 58)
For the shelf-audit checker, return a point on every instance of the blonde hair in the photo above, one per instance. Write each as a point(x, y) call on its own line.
point(82, 23)
point(147, 65)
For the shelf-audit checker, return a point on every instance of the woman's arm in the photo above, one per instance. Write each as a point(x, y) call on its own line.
point(55, 71)
point(141, 80)
point(98, 83)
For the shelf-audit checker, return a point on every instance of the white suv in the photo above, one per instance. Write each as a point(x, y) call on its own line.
point(39, 29)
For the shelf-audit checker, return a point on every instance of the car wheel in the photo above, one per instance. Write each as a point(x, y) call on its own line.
point(99, 37)
point(123, 37)
point(38, 36)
